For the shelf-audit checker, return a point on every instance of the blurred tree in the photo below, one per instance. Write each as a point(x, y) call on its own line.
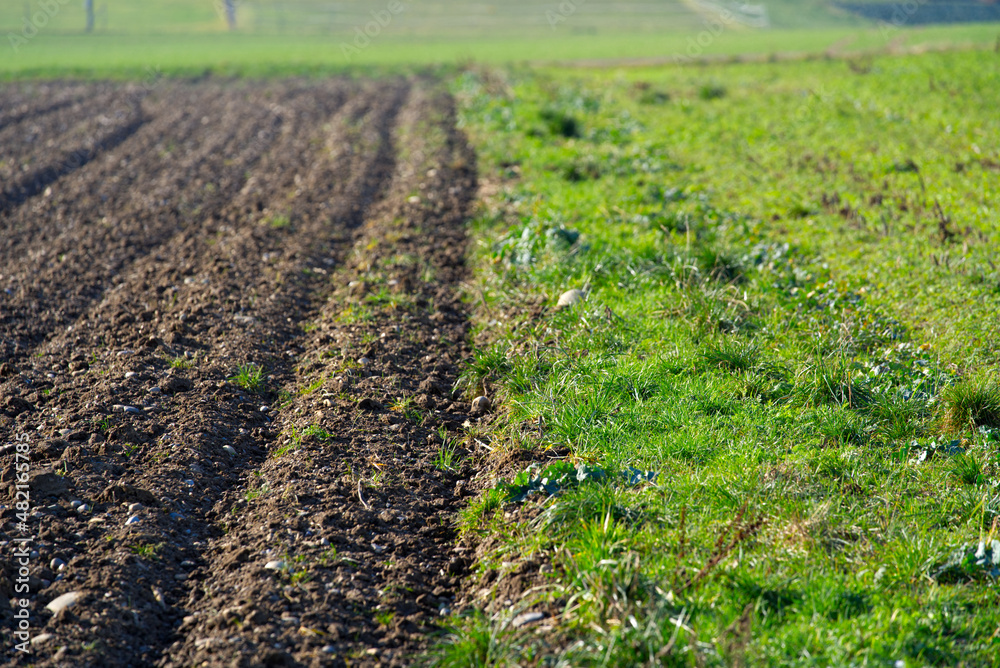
point(231, 14)
point(88, 6)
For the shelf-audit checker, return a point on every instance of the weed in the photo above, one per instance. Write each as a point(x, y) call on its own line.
point(971, 404)
point(180, 363)
point(146, 550)
point(317, 432)
point(250, 377)
point(559, 123)
point(279, 222)
point(445, 459)
point(312, 387)
point(712, 91)
point(257, 492)
point(408, 408)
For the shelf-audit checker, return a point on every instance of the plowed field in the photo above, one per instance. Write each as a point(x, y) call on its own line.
point(229, 331)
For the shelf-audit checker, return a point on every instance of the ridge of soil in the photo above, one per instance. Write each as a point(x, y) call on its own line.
point(313, 230)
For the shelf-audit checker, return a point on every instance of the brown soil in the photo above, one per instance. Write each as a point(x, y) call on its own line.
point(153, 242)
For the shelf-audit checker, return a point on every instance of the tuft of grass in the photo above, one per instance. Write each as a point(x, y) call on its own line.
point(971, 404)
point(486, 367)
point(476, 641)
point(250, 377)
point(560, 124)
point(835, 384)
point(445, 459)
point(257, 492)
point(712, 91)
point(968, 469)
point(146, 550)
point(279, 222)
point(842, 427)
point(181, 363)
point(384, 617)
point(731, 355)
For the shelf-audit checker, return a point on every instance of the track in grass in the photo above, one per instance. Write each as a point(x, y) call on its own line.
point(287, 229)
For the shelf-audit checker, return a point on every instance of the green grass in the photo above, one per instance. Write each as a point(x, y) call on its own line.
point(782, 450)
point(282, 16)
point(143, 56)
point(250, 377)
point(146, 550)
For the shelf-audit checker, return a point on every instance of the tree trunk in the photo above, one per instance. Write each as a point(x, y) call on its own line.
point(231, 14)
point(88, 6)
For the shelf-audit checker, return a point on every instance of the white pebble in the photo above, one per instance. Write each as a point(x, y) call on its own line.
point(65, 601)
point(570, 298)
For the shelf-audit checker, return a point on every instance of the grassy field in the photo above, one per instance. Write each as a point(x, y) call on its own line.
point(48, 55)
point(189, 37)
point(445, 17)
point(774, 404)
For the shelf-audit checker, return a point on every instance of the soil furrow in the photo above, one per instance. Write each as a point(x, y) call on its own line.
point(348, 507)
point(43, 139)
point(202, 183)
point(310, 245)
point(213, 420)
point(68, 161)
point(20, 104)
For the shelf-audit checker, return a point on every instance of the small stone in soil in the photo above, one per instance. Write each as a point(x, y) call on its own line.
point(133, 520)
point(527, 618)
point(68, 600)
point(570, 298)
